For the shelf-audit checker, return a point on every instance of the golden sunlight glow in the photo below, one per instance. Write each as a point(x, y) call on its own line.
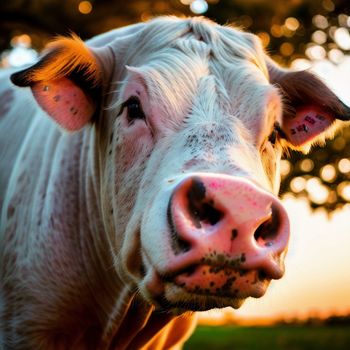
point(343, 190)
point(343, 20)
point(332, 197)
point(344, 165)
point(298, 184)
point(276, 31)
point(320, 21)
point(342, 38)
point(306, 165)
point(328, 5)
point(286, 49)
point(319, 37)
point(328, 173)
point(292, 23)
point(336, 56)
point(85, 7)
point(318, 193)
point(285, 167)
point(315, 52)
point(301, 64)
point(339, 143)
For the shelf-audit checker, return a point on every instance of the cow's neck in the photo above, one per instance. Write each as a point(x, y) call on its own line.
point(126, 321)
point(109, 294)
point(62, 236)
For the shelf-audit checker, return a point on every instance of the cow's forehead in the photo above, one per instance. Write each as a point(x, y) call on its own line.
point(190, 53)
point(222, 46)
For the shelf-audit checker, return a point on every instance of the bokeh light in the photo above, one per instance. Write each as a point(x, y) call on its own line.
point(318, 192)
point(320, 21)
point(343, 190)
point(343, 20)
point(285, 167)
point(292, 23)
point(21, 53)
point(315, 52)
point(339, 143)
point(344, 165)
point(199, 6)
point(306, 165)
point(342, 38)
point(286, 49)
point(319, 37)
point(328, 5)
point(276, 30)
point(336, 56)
point(328, 173)
point(85, 7)
point(298, 184)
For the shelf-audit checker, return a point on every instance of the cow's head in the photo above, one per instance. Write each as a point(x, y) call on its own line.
point(189, 121)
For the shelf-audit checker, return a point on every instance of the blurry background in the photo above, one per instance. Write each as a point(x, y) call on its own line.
point(311, 305)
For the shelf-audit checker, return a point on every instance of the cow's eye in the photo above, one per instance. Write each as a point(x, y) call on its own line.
point(134, 109)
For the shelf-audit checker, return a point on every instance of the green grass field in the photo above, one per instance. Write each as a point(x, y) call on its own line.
point(278, 337)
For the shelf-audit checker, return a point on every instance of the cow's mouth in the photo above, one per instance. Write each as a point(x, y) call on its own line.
point(202, 287)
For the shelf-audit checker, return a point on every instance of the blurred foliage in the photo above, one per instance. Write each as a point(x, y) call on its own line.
point(289, 29)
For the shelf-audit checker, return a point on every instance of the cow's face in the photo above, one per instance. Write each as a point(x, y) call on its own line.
point(195, 158)
point(189, 148)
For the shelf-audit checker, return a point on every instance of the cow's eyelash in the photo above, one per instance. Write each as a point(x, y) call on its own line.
point(279, 130)
point(273, 136)
point(275, 133)
point(134, 108)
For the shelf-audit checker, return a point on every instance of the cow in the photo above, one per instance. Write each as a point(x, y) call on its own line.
point(139, 182)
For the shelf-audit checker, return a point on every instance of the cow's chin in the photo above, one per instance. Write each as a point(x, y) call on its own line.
point(169, 294)
point(178, 300)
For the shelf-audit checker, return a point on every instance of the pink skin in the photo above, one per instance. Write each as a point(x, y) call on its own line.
point(226, 257)
point(67, 104)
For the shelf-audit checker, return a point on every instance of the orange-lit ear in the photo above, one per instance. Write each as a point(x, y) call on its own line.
point(66, 82)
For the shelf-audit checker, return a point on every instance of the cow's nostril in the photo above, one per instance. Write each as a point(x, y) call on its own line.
point(267, 232)
point(201, 209)
point(209, 214)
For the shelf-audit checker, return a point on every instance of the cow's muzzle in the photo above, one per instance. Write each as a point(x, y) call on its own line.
point(228, 237)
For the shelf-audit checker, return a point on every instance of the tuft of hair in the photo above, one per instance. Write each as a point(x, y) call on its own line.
point(63, 56)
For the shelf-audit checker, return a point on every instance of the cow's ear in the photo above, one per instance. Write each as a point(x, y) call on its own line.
point(66, 82)
point(311, 109)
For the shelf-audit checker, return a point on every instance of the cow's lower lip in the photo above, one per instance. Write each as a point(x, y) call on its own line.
point(203, 287)
point(222, 281)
